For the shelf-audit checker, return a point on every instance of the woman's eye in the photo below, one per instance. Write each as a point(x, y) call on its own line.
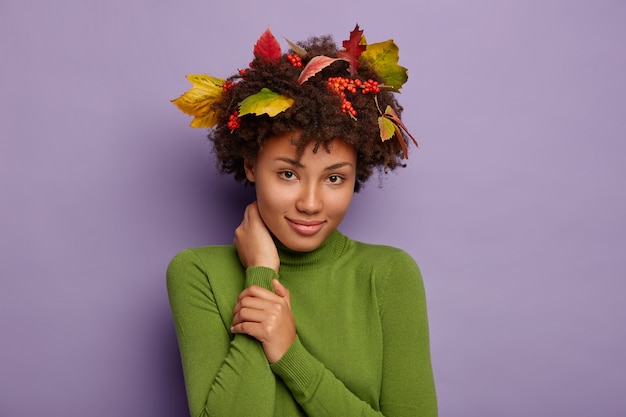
point(335, 179)
point(288, 175)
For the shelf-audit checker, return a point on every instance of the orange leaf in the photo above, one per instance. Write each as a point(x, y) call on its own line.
point(314, 66)
point(268, 47)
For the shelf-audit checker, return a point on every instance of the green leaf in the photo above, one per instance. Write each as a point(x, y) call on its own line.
point(265, 102)
point(383, 57)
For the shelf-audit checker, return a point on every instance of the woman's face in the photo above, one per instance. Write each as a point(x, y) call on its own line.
point(302, 201)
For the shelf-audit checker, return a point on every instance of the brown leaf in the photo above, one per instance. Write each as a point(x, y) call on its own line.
point(401, 141)
point(393, 116)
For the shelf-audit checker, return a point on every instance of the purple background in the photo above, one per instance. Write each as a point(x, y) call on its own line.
point(514, 206)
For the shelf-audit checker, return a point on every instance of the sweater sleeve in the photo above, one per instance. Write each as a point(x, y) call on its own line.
point(224, 375)
point(407, 388)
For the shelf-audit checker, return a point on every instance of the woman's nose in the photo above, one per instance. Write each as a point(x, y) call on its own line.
point(310, 200)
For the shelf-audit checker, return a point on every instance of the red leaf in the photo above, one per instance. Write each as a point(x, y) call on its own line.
point(268, 47)
point(314, 66)
point(353, 49)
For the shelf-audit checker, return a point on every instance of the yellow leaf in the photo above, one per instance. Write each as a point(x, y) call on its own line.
point(198, 100)
point(383, 57)
point(387, 128)
point(208, 120)
point(265, 102)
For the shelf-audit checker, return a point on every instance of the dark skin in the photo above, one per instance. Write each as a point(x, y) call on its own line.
point(260, 313)
point(303, 201)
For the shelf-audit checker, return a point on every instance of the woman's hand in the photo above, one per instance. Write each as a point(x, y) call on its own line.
point(267, 317)
point(253, 241)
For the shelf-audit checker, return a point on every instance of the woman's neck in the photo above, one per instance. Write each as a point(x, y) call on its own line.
point(326, 253)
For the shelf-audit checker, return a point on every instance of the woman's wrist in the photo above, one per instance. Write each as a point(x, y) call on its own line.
point(261, 276)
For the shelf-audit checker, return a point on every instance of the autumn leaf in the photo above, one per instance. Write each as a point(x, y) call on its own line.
point(353, 50)
point(265, 101)
point(400, 138)
point(301, 52)
point(387, 128)
point(267, 47)
point(198, 100)
point(383, 58)
point(389, 125)
point(393, 116)
point(314, 66)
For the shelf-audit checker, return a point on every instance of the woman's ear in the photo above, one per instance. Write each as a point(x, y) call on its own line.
point(248, 166)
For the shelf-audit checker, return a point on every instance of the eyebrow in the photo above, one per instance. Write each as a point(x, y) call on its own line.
point(298, 164)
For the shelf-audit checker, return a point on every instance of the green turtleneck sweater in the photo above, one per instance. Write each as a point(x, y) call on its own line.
point(362, 344)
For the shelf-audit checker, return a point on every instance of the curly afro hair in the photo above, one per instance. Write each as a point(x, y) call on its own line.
point(316, 113)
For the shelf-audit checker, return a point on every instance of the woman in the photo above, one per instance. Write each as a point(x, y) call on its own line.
point(296, 319)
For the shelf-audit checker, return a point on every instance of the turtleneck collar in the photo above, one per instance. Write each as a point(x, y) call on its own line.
point(326, 253)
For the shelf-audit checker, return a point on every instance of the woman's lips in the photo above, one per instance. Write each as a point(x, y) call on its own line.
point(304, 227)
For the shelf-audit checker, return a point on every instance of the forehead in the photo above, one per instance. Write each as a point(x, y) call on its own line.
point(284, 146)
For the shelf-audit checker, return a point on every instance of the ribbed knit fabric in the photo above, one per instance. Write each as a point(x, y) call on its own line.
point(361, 349)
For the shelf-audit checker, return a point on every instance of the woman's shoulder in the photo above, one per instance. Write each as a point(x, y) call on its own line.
point(391, 270)
point(204, 260)
point(379, 252)
point(205, 276)
point(201, 254)
point(384, 263)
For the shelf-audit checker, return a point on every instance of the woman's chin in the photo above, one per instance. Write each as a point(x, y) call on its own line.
point(301, 243)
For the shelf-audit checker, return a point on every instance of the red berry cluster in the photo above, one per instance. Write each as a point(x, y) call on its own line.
point(294, 60)
point(233, 121)
point(347, 108)
point(339, 85)
point(227, 86)
point(370, 86)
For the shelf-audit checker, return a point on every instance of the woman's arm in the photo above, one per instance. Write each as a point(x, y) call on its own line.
point(262, 314)
point(266, 316)
point(223, 377)
point(407, 388)
point(408, 385)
